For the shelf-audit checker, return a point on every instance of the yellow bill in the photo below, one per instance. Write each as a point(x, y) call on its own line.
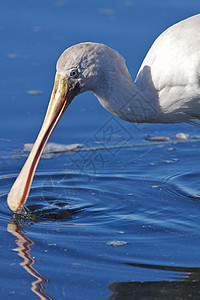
point(58, 103)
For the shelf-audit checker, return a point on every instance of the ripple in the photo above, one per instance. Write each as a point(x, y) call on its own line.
point(5, 184)
point(115, 200)
point(189, 183)
point(66, 197)
point(142, 212)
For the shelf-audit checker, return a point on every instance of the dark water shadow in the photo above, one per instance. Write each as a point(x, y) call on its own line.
point(58, 211)
point(23, 250)
point(187, 288)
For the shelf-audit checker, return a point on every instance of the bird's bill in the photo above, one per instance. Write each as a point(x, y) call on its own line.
point(57, 105)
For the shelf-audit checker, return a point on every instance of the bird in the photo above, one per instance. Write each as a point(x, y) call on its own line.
point(166, 88)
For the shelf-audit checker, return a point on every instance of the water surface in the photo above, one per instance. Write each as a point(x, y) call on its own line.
point(119, 217)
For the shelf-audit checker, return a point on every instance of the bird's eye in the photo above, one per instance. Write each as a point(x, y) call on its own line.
point(74, 73)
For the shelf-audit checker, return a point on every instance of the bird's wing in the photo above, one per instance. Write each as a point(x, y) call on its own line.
point(175, 54)
point(171, 68)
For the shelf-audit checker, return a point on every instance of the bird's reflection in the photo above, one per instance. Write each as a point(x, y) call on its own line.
point(24, 246)
point(186, 288)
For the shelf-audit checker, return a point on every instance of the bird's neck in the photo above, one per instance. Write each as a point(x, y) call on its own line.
point(124, 99)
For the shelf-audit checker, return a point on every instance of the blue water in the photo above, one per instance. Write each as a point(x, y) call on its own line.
point(118, 219)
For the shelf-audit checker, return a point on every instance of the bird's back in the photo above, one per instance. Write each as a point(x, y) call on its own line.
point(171, 70)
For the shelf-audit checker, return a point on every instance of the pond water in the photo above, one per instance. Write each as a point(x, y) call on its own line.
point(119, 218)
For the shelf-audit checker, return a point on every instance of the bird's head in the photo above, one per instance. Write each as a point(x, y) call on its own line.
point(85, 66)
point(82, 67)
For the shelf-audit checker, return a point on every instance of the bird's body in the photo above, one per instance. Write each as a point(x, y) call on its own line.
point(171, 72)
point(166, 89)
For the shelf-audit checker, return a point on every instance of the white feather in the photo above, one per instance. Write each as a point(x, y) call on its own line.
point(167, 87)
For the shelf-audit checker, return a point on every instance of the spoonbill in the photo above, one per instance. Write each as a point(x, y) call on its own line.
point(166, 88)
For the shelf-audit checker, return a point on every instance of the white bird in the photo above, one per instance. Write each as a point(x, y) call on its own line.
point(166, 89)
